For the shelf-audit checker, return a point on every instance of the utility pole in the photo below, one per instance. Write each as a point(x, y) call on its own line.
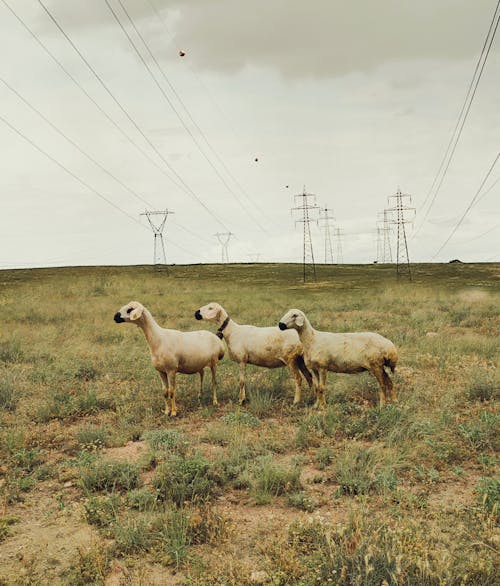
point(224, 238)
point(398, 212)
point(325, 224)
point(157, 225)
point(338, 235)
point(307, 207)
point(379, 256)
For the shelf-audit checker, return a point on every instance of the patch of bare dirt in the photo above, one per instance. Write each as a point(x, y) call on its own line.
point(44, 545)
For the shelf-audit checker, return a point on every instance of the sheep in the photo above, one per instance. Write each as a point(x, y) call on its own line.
point(346, 353)
point(267, 347)
point(173, 351)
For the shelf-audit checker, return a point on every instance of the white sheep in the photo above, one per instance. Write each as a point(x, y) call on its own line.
point(173, 351)
point(267, 347)
point(345, 353)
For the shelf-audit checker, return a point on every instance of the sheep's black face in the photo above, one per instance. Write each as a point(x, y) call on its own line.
point(118, 318)
point(282, 326)
point(197, 314)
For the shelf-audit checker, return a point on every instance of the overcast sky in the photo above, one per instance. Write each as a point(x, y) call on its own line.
point(352, 100)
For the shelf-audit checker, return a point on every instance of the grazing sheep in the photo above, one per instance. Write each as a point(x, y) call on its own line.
point(347, 353)
point(173, 351)
point(267, 347)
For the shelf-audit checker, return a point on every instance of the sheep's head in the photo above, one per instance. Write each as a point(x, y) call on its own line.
point(294, 318)
point(211, 312)
point(129, 313)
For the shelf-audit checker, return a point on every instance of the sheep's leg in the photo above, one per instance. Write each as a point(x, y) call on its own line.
point(389, 386)
point(213, 368)
point(315, 378)
point(166, 392)
point(321, 402)
point(243, 366)
point(298, 381)
point(378, 373)
point(171, 380)
point(201, 373)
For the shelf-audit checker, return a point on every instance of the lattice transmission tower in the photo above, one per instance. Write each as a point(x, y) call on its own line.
point(400, 217)
point(325, 223)
point(224, 238)
point(157, 219)
point(338, 235)
point(309, 209)
point(384, 230)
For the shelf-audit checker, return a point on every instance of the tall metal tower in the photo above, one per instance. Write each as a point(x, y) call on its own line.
point(325, 224)
point(384, 233)
point(338, 235)
point(224, 238)
point(399, 213)
point(308, 208)
point(157, 225)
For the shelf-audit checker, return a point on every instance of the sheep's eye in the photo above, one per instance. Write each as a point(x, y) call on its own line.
point(129, 310)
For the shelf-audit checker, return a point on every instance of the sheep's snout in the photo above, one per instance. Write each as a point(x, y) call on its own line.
point(197, 314)
point(282, 326)
point(118, 318)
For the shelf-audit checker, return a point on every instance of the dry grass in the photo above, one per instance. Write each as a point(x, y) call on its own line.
point(271, 494)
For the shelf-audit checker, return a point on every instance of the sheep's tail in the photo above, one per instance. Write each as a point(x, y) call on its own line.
point(391, 360)
point(221, 352)
point(301, 365)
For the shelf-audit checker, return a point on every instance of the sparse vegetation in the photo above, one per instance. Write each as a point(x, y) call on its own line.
point(356, 494)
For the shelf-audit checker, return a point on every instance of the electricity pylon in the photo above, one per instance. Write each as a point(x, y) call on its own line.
point(224, 238)
point(308, 210)
point(325, 224)
point(337, 244)
point(399, 213)
point(157, 226)
point(384, 235)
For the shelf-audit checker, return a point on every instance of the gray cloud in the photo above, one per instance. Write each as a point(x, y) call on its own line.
point(320, 38)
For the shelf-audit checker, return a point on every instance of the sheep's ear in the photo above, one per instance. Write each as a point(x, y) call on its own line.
point(299, 320)
point(136, 313)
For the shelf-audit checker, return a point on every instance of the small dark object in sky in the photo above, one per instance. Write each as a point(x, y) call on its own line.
point(287, 186)
point(256, 159)
point(182, 53)
point(455, 260)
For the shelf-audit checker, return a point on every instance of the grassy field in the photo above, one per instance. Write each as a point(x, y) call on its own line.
point(97, 486)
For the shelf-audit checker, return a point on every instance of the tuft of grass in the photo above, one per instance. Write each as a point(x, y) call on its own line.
point(183, 479)
point(489, 496)
point(92, 437)
point(9, 394)
point(271, 479)
point(483, 387)
point(109, 475)
point(360, 470)
point(481, 433)
point(323, 457)
point(165, 439)
point(101, 511)
point(241, 417)
point(6, 523)
point(142, 499)
point(11, 351)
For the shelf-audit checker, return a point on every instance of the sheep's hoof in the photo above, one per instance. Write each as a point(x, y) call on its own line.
point(215, 403)
point(243, 402)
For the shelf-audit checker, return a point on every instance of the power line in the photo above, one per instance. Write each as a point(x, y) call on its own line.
point(74, 175)
point(169, 101)
point(73, 143)
point(459, 223)
point(185, 187)
point(84, 91)
point(471, 92)
point(186, 110)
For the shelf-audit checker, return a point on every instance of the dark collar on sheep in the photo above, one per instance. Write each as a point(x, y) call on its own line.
point(222, 328)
